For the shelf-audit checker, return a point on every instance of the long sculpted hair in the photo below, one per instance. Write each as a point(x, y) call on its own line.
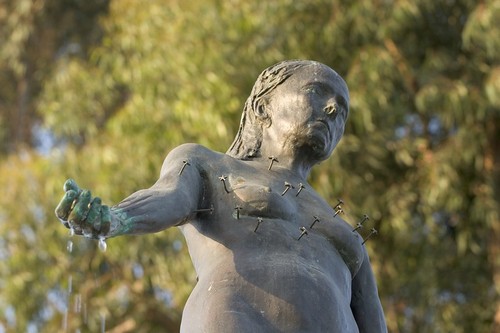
point(248, 140)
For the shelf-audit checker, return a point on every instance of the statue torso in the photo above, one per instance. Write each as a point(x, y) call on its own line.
point(248, 255)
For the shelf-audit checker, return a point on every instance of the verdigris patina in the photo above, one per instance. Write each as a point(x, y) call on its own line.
point(271, 255)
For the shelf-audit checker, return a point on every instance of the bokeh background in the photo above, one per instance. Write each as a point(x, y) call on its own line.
point(102, 90)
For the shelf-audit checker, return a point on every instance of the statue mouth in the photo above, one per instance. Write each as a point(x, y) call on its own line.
point(325, 124)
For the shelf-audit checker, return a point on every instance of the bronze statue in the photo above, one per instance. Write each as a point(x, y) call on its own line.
point(271, 255)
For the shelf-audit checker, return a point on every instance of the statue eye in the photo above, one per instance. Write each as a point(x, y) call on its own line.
point(314, 90)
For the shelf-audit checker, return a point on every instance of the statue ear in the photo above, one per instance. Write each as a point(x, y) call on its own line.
point(262, 111)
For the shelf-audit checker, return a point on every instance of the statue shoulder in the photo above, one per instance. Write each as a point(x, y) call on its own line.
point(193, 149)
point(191, 154)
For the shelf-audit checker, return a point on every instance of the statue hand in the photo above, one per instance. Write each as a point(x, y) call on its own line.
point(82, 213)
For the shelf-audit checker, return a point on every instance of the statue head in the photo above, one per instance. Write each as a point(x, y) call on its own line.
point(255, 117)
point(249, 137)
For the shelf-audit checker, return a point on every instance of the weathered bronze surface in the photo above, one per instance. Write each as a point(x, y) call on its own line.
point(261, 265)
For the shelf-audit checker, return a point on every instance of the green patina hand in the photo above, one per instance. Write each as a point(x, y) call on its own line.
point(64, 207)
point(85, 215)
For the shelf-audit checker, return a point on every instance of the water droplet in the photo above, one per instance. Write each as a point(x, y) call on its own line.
point(103, 322)
point(78, 303)
point(65, 321)
point(69, 246)
point(102, 244)
point(70, 284)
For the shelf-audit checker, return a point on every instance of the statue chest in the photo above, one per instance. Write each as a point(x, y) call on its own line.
point(279, 217)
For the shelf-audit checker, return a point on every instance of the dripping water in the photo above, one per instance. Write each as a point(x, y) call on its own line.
point(75, 302)
point(102, 244)
point(69, 246)
point(69, 249)
point(103, 322)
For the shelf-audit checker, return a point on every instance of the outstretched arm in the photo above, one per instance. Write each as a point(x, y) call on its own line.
point(169, 202)
point(365, 302)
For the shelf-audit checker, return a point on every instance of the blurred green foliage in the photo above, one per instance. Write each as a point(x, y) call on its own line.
point(101, 90)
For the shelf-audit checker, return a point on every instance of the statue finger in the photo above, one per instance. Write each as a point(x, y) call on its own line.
point(70, 185)
point(105, 220)
point(64, 208)
point(81, 209)
point(77, 230)
point(93, 221)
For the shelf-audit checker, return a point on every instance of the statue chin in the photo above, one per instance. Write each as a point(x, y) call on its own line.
point(319, 152)
point(316, 147)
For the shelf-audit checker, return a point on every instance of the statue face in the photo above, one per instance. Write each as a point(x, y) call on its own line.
point(309, 110)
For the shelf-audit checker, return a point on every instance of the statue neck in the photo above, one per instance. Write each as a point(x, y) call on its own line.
point(297, 162)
